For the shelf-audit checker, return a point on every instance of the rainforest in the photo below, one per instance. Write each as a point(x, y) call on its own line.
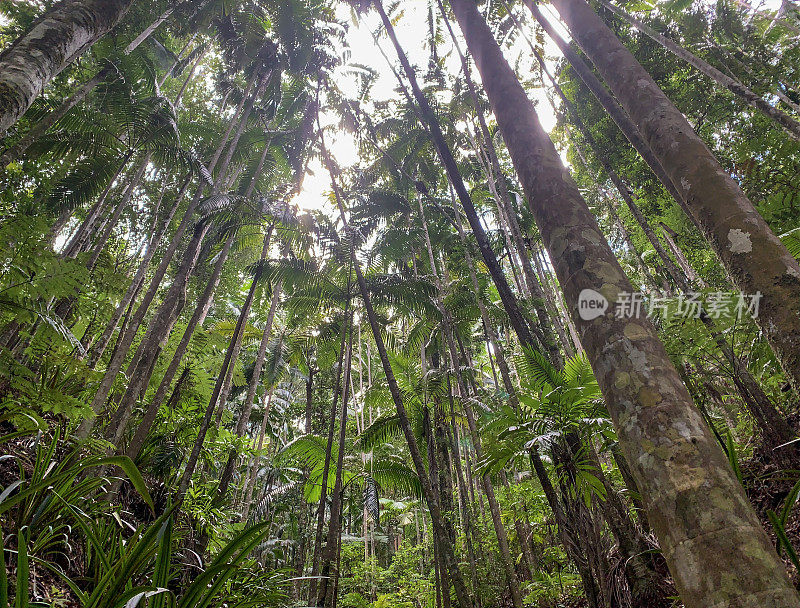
point(399, 303)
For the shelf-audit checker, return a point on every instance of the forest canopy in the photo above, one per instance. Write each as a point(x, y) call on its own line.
point(399, 304)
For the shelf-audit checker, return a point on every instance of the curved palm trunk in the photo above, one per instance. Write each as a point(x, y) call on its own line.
point(756, 260)
point(714, 544)
point(786, 122)
point(62, 34)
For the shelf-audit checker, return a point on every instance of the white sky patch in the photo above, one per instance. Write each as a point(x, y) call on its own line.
point(412, 32)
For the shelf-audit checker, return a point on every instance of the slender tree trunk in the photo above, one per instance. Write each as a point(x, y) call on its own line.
point(756, 260)
point(715, 546)
point(251, 477)
point(789, 124)
point(111, 223)
point(497, 183)
point(464, 598)
point(247, 407)
point(506, 295)
point(63, 33)
point(229, 361)
point(494, 508)
point(199, 315)
point(317, 557)
point(236, 339)
point(158, 331)
point(101, 343)
point(329, 570)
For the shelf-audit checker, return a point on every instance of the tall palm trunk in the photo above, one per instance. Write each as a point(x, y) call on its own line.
point(316, 559)
point(789, 124)
point(431, 499)
point(714, 544)
point(151, 348)
point(63, 33)
point(494, 508)
point(158, 331)
point(329, 569)
point(518, 321)
point(756, 260)
point(251, 477)
point(247, 407)
point(231, 354)
point(776, 431)
point(111, 222)
point(237, 338)
point(101, 343)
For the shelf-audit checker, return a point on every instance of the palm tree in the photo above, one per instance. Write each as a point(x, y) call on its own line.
point(630, 347)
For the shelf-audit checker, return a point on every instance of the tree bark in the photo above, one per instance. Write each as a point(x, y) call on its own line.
point(62, 34)
point(329, 570)
point(714, 544)
point(323, 497)
point(199, 315)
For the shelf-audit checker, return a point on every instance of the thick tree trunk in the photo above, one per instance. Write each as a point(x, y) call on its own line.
point(756, 260)
point(714, 544)
point(62, 34)
point(789, 124)
point(775, 430)
point(41, 127)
